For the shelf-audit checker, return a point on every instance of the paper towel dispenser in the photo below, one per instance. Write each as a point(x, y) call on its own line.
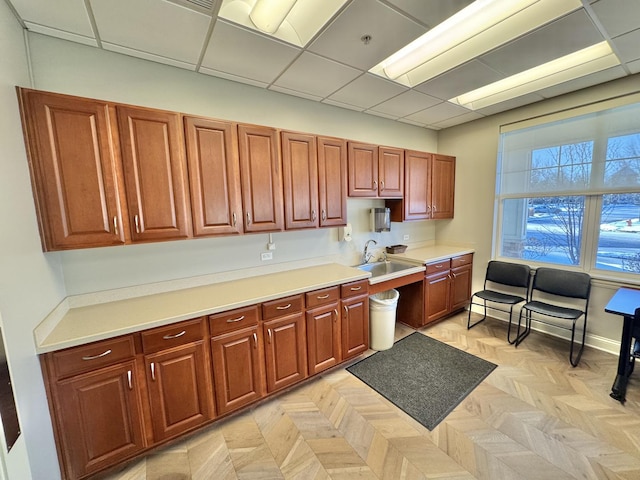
point(380, 220)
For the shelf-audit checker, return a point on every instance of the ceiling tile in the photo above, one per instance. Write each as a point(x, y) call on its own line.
point(634, 67)
point(263, 58)
point(412, 122)
point(463, 79)
point(438, 113)
point(342, 105)
point(295, 93)
point(430, 13)
point(148, 56)
point(389, 32)
point(405, 104)
point(233, 78)
point(566, 35)
point(509, 104)
point(316, 75)
point(367, 91)
point(66, 15)
point(617, 16)
point(583, 82)
point(627, 45)
point(460, 119)
point(152, 26)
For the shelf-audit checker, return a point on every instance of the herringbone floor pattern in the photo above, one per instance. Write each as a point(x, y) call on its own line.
point(534, 417)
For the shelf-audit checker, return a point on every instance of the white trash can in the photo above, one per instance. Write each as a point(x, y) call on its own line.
point(382, 319)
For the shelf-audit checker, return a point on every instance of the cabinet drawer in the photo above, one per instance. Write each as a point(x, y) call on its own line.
point(322, 297)
point(437, 267)
point(233, 320)
point(73, 361)
point(462, 260)
point(173, 335)
point(282, 306)
point(354, 288)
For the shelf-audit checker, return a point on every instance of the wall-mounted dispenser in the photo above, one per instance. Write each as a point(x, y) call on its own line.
point(380, 220)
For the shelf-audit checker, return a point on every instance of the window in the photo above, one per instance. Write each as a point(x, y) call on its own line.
point(568, 192)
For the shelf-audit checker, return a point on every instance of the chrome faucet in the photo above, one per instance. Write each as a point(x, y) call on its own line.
point(366, 256)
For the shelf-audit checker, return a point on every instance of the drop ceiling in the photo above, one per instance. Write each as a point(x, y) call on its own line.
point(332, 67)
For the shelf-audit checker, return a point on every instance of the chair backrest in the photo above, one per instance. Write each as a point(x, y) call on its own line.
point(562, 282)
point(506, 273)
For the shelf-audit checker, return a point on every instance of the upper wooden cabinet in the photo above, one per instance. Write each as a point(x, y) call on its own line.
point(155, 173)
point(443, 179)
point(261, 176)
point(332, 181)
point(300, 175)
point(375, 171)
point(214, 176)
point(429, 188)
point(75, 170)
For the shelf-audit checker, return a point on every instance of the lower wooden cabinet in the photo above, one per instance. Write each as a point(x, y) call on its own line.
point(98, 419)
point(437, 288)
point(113, 400)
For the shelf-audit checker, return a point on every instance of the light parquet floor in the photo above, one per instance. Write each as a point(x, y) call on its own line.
point(534, 417)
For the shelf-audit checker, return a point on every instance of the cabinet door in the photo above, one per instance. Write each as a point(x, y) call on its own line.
point(75, 170)
point(332, 181)
point(155, 173)
point(300, 175)
point(214, 176)
point(391, 172)
point(363, 170)
point(100, 419)
point(436, 296)
point(460, 287)
point(261, 177)
point(238, 368)
point(285, 351)
point(442, 186)
point(417, 199)
point(355, 326)
point(180, 392)
point(323, 338)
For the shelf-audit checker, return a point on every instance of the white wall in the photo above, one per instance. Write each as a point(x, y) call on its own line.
point(65, 67)
point(475, 144)
point(31, 283)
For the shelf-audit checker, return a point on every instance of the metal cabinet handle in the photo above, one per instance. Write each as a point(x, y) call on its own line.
point(153, 371)
point(233, 320)
point(233, 216)
point(269, 334)
point(324, 215)
point(283, 307)
point(346, 312)
point(169, 337)
point(434, 208)
point(454, 275)
point(129, 379)
point(322, 297)
point(115, 225)
point(313, 215)
point(335, 319)
point(255, 340)
point(93, 357)
point(136, 220)
point(248, 218)
point(429, 209)
point(375, 185)
point(439, 266)
point(381, 184)
point(355, 289)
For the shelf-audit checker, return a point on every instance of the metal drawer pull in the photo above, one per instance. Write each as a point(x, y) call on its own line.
point(233, 320)
point(233, 215)
point(129, 379)
point(346, 312)
point(115, 226)
point(93, 357)
point(283, 307)
point(255, 340)
point(335, 310)
point(269, 332)
point(248, 218)
point(136, 220)
point(439, 266)
point(355, 289)
point(322, 297)
point(169, 337)
point(153, 371)
point(324, 215)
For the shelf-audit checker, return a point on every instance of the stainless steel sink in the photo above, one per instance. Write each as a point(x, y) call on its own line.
point(378, 269)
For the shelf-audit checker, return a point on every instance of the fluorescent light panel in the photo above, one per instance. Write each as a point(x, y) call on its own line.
point(578, 64)
point(295, 22)
point(473, 31)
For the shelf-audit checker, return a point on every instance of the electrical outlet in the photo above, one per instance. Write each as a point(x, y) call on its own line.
point(266, 256)
point(406, 237)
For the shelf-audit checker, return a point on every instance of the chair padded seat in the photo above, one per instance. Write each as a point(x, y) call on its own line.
point(553, 310)
point(499, 297)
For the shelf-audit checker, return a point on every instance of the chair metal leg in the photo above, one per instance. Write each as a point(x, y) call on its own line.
point(527, 328)
point(575, 361)
point(471, 325)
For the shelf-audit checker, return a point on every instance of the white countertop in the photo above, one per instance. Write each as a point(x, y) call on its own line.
point(434, 253)
point(87, 324)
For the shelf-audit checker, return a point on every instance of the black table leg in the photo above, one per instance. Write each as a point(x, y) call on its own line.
point(619, 388)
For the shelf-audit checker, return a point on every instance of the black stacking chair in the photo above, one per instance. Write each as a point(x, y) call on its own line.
point(551, 288)
point(502, 277)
